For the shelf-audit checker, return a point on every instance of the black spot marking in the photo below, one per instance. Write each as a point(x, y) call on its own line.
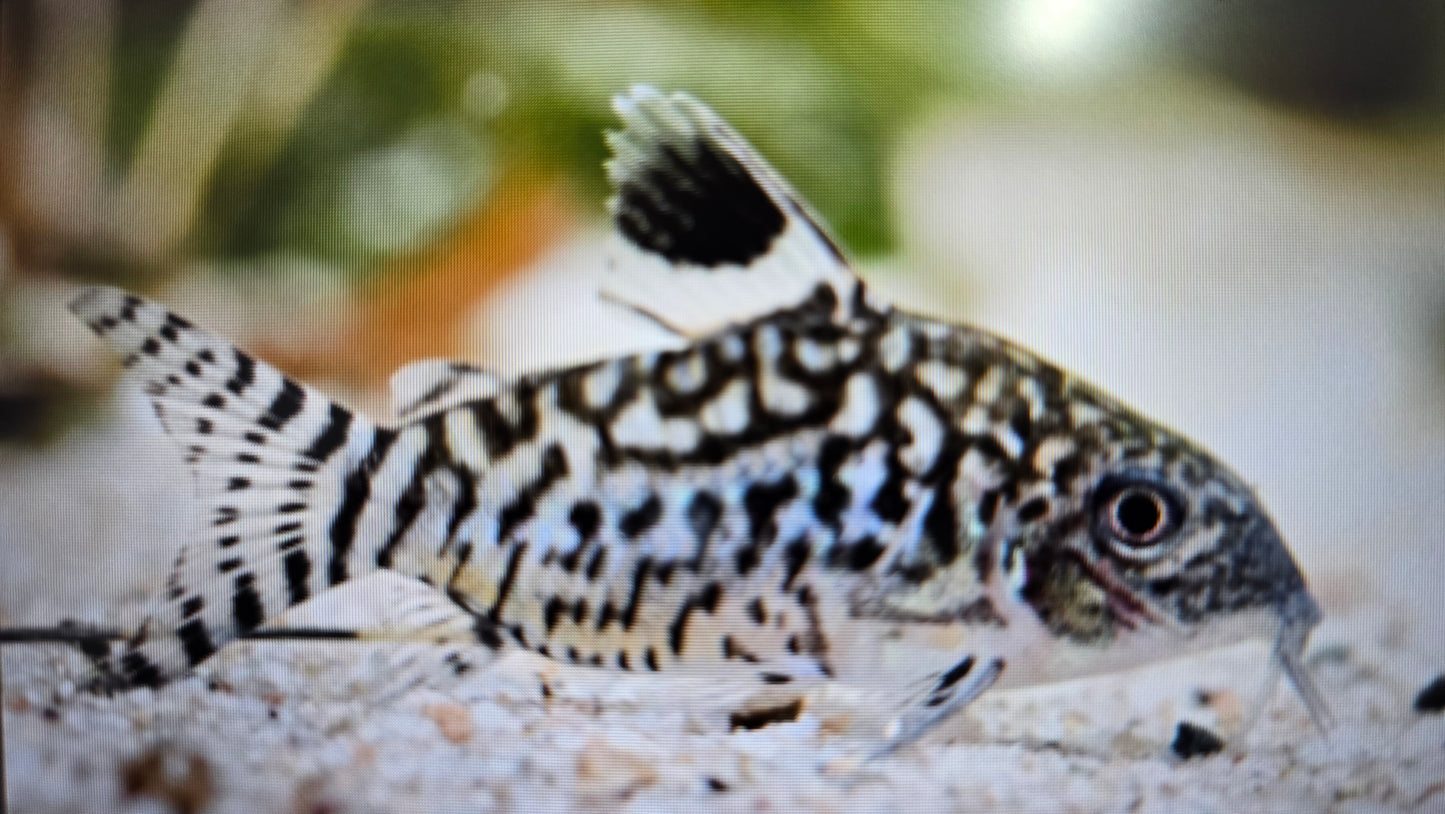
point(151, 347)
point(1020, 422)
point(298, 568)
point(140, 671)
point(496, 432)
point(732, 651)
point(636, 522)
point(244, 376)
point(677, 631)
point(703, 514)
point(710, 595)
point(237, 484)
point(356, 490)
point(857, 557)
point(486, 634)
point(509, 578)
point(955, 674)
point(757, 611)
point(215, 401)
point(585, 517)
point(596, 562)
point(695, 203)
point(988, 507)
point(649, 657)
point(795, 556)
point(989, 448)
point(284, 407)
point(640, 576)
point(246, 606)
point(622, 661)
point(204, 426)
point(832, 497)
point(762, 501)
point(551, 612)
point(290, 543)
point(889, 502)
point(554, 467)
point(332, 436)
point(228, 541)
point(606, 616)
point(192, 606)
point(775, 678)
point(746, 559)
point(513, 514)
point(228, 565)
point(192, 367)
point(1033, 509)
point(759, 718)
point(940, 526)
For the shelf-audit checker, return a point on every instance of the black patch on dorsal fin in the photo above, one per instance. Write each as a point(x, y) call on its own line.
point(693, 202)
point(692, 191)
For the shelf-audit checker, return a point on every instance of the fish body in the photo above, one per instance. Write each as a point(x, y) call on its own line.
point(811, 483)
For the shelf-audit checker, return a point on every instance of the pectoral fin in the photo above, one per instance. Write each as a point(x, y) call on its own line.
point(941, 696)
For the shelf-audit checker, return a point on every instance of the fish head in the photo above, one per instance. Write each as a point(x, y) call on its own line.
point(1153, 548)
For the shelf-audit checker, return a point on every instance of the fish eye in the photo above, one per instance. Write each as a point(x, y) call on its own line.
point(1137, 515)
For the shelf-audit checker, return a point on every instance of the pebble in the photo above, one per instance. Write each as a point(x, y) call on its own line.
point(453, 720)
point(1432, 697)
point(1195, 741)
point(613, 774)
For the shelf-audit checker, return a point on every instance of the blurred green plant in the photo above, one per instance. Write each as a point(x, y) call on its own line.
point(425, 105)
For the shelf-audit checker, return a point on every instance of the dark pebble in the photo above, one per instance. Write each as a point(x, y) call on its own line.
point(1195, 741)
point(1432, 698)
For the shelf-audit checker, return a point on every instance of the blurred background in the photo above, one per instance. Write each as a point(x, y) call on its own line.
point(1227, 214)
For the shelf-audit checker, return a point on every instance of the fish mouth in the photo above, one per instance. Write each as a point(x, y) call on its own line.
point(1299, 614)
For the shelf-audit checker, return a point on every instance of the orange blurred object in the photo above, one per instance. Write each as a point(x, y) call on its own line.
point(416, 306)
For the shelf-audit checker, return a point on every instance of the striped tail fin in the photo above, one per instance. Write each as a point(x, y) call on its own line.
point(288, 482)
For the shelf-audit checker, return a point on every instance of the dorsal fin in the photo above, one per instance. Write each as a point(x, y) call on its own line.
point(429, 386)
point(709, 234)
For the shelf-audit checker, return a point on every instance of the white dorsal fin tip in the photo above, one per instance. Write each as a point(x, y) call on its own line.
point(432, 385)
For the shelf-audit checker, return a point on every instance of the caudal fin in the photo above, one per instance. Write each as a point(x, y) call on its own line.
point(282, 477)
